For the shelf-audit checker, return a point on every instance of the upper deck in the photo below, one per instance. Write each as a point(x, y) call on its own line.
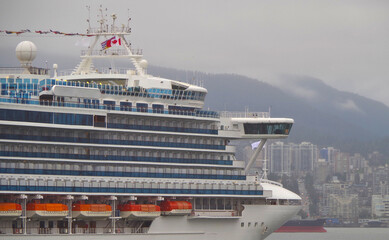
point(11, 71)
point(110, 91)
point(93, 104)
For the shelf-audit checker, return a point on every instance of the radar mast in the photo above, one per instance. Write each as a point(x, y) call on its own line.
point(102, 35)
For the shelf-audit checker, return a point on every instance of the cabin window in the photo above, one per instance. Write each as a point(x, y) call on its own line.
point(142, 107)
point(158, 108)
point(110, 105)
point(125, 106)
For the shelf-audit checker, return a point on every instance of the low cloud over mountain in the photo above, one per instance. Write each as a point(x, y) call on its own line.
point(322, 114)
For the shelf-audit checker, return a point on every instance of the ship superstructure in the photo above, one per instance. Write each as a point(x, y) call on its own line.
point(99, 152)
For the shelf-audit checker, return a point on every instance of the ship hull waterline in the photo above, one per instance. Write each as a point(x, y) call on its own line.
point(199, 228)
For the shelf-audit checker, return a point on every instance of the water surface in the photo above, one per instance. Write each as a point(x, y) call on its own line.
point(336, 234)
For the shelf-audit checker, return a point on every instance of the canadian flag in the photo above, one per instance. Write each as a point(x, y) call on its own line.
point(114, 41)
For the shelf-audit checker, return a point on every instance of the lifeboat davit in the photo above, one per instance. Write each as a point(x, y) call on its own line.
point(91, 211)
point(10, 210)
point(47, 210)
point(176, 208)
point(139, 211)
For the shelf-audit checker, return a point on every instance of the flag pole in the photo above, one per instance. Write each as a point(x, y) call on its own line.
point(254, 156)
point(264, 176)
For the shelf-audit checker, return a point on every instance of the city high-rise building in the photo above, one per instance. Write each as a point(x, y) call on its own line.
point(307, 156)
point(280, 158)
point(381, 180)
point(380, 206)
point(288, 158)
point(344, 207)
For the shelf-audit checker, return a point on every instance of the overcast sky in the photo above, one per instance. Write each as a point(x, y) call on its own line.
point(344, 43)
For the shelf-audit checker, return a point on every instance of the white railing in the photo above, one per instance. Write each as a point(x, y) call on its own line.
point(113, 30)
point(77, 230)
point(20, 70)
point(65, 72)
point(226, 114)
point(11, 70)
point(109, 230)
point(98, 71)
point(112, 52)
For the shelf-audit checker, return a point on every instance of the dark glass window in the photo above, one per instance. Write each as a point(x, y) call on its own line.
point(73, 119)
point(125, 106)
point(27, 116)
point(46, 117)
point(157, 108)
point(267, 128)
point(142, 107)
point(110, 104)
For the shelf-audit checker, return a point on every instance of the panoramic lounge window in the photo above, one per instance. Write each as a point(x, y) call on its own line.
point(267, 128)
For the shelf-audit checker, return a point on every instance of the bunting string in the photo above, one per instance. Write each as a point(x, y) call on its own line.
point(45, 32)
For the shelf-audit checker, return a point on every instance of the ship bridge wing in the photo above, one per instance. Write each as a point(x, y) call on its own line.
point(257, 127)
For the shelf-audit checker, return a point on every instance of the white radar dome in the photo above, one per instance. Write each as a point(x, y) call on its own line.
point(143, 63)
point(26, 52)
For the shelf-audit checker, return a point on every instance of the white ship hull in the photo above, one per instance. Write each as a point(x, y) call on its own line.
point(113, 138)
point(256, 223)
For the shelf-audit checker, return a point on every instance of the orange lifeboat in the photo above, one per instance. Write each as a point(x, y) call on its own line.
point(176, 208)
point(10, 210)
point(47, 210)
point(139, 211)
point(95, 211)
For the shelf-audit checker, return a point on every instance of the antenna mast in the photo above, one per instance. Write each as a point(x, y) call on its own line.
point(114, 17)
point(129, 19)
point(110, 33)
point(102, 20)
point(88, 20)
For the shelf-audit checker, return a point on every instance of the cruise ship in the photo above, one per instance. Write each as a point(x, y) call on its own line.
point(110, 153)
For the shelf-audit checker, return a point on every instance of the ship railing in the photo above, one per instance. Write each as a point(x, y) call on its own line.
point(112, 30)
point(77, 230)
point(118, 230)
point(48, 231)
point(112, 52)
point(19, 70)
point(137, 230)
point(34, 230)
point(201, 114)
point(5, 230)
point(66, 72)
point(99, 71)
point(226, 114)
point(10, 70)
point(89, 230)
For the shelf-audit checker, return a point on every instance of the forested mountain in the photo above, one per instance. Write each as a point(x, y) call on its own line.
point(322, 114)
